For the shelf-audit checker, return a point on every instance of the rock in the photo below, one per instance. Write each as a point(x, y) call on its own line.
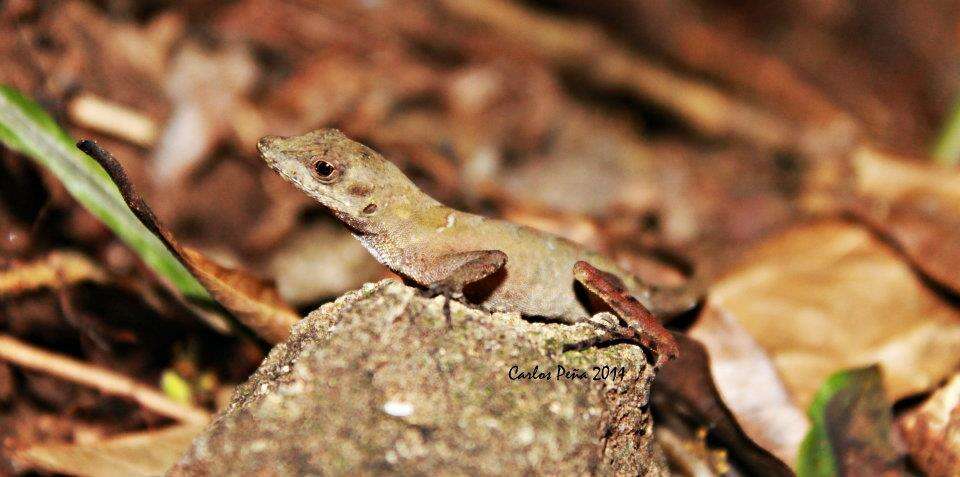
point(379, 382)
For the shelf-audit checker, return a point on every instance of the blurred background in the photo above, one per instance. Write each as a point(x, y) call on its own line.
point(800, 154)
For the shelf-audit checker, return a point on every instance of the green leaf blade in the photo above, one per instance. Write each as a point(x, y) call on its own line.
point(816, 455)
point(26, 128)
point(851, 428)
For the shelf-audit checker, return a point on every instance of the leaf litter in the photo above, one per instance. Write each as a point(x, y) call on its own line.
point(648, 129)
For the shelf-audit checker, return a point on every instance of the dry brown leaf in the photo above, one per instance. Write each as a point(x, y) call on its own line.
point(254, 302)
point(830, 296)
point(927, 236)
point(140, 454)
point(751, 387)
point(932, 432)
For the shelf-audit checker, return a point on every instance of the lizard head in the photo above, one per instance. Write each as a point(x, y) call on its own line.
point(355, 182)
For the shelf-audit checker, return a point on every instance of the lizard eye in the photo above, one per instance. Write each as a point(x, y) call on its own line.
point(326, 171)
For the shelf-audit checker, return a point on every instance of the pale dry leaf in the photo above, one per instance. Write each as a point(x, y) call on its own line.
point(319, 262)
point(751, 387)
point(932, 432)
point(830, 296)
point(140, 454)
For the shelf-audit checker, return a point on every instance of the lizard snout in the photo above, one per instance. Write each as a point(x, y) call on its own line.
point(267, 143)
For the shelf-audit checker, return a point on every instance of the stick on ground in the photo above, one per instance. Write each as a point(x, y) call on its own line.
point(27, 356)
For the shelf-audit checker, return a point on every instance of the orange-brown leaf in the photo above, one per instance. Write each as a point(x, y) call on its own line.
point(254, 302)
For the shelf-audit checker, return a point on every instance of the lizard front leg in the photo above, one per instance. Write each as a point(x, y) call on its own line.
point(465, 268)
point(641, 326)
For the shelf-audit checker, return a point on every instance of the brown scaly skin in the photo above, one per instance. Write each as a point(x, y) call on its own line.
point(497, 265)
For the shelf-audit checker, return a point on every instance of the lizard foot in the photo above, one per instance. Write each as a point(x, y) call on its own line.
point(473, 266)
point(440, 289)
point(605, 321)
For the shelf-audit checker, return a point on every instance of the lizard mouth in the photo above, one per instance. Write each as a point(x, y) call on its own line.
point(351, 223)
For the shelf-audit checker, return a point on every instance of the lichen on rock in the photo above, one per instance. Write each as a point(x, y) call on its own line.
point(379, 382)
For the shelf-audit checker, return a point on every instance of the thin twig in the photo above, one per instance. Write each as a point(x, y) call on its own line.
point(22, 354)
point(99, 114)
point(57, 269)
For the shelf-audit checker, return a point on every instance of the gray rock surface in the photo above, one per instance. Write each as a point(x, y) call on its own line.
point(379, 383)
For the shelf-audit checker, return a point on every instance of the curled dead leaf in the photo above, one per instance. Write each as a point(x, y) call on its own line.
point(750, 385)
point(254, 302)
point(686, 386)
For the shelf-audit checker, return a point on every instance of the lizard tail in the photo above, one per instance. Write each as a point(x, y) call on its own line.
point(667, 303)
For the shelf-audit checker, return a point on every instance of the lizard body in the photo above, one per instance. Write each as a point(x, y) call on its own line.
point(495, 264)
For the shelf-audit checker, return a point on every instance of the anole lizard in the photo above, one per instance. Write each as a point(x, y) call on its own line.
point(497, 265)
